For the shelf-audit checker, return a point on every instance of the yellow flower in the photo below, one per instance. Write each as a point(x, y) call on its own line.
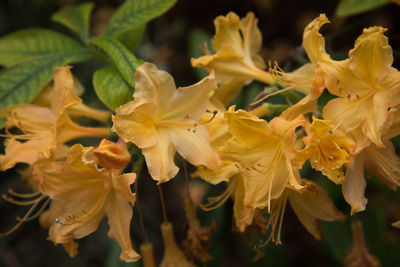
point(236, 61)
point(82, 194)
point(79, 110)
point(382, 162)
point(327, 149)
point(264, 154)
point(162, 119)
point(367, 87)
point(44, 129)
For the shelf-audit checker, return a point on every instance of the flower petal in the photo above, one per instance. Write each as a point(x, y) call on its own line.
point(372, 56)
point(63, 97)
point(313, 203)
point(135, 124)
point(313, 41)
point(252, 39)
point(119, 214)
point(354, 185)
point(191, 101)
point(153, 86)
point(160, 158)
point(195, 146)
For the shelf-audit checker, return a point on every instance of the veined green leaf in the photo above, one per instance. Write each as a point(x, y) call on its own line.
point(353, 7)
point(76, 18)
point(123, 59)
point(22, 83)
point(132, 38)
point(24, 45)
point(134, 13)
point(111, 88)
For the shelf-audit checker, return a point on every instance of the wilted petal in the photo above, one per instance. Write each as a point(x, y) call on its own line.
point(119, 214)
point(313, 41)
point(312, 204)
point(354, 185)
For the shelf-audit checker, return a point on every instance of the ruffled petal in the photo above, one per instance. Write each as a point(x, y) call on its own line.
point(153, 86)
point(313, 41)
point(372, 56)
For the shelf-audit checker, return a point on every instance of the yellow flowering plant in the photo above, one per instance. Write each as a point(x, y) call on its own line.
point(330, 123)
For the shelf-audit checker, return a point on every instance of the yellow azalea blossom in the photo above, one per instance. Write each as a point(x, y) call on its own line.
point(77, 111)
point(382, 162)
point(310, 78)
point(264, 154)
point(236, 61)
point(327, 149)
point(162, 120)
point(310, 204)
point(367, 86)
point(44, 129)
point(82, 194)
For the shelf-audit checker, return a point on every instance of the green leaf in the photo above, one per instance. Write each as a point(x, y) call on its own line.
point(76, 18)
point(111, 88)
point(123, 59)
point(134, 13)
point(132, 38)
point(25, 45)
point(21, 84)
point(353, 7)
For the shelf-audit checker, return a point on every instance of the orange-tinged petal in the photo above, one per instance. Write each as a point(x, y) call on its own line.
point(243, 215)
point(247, 128)
point(223, 174)
point(354, 185)
point(384, 163)
point(119, 214)
point(195, 146)
point(190, 101)
point(371, 56)
point(29, 118)
point(305, 105)
point(227, 34)
point(63, 97)
point(313, 41)
point(135, 124)
point(160, 158)
point(153, 86)
point(122, 184)
point(252, 39)
point(16, 151)
point(112, 155)
point(311, 204)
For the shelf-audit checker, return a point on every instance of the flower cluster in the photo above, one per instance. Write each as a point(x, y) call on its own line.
point(259, 160)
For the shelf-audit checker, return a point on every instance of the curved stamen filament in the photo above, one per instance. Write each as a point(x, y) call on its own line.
point(23, 195)
point(216, 202)
point(19, 202)
point(37, 213)
point(21, 221)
